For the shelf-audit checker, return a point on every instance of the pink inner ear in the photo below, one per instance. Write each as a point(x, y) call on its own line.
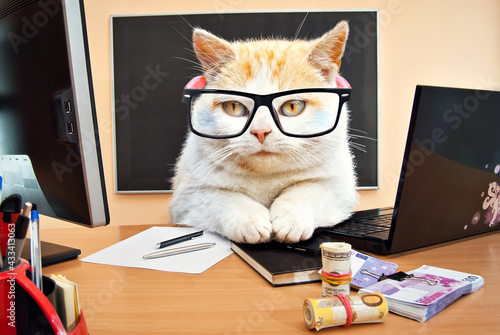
point(342, 82)
point(197, 82)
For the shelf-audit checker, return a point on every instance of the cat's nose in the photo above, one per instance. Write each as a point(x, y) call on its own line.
point(261, 134)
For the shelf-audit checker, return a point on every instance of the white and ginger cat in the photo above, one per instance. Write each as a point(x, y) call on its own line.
point(263, 184)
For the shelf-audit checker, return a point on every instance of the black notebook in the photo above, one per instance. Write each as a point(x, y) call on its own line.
point(51, 253)
point(279, 265)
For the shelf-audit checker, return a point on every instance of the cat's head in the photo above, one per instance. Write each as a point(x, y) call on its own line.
point(263, 67)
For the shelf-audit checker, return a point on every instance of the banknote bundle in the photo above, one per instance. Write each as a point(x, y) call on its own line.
point(341, 310)
point(336, 273)
point(426, 291)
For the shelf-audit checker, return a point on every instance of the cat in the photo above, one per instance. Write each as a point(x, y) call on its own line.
point(264, 185)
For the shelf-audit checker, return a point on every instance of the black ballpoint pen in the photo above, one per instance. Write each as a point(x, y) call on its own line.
point(179, 239)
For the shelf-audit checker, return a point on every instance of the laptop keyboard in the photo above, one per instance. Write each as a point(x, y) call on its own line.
point(364, 226)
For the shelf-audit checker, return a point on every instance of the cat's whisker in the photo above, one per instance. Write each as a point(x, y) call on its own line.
point(190, 51)
point(212, 160)
point(304, 150)
point(362, 137)
point(356, 143)
point(189, 24)
point(201, 167)
point(195, 69)
point(297, 32)
point(235, 160)
point(304, 158)
point(207, 174)
point(186, 38)
point(215, 66)
point(189, 61)
point(223, 155)
point(358, 130)
point(358, 146)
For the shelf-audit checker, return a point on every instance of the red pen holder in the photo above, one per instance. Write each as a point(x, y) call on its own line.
point(6, 228)
point(24, 309)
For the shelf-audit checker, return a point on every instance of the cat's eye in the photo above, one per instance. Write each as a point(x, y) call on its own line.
point(234, 108)
point(292, 107)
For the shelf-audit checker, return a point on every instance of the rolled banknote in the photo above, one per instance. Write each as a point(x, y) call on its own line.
point(331, 312)
point(336, 268)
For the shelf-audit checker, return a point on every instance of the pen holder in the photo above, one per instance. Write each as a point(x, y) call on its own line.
point(26, 310)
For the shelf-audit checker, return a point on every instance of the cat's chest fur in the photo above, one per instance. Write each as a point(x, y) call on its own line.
point(262, 176)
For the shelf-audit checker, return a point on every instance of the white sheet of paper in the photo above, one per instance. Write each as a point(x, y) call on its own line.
point(129, 252)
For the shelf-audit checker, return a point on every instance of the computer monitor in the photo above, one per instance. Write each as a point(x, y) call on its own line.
point(49, 140)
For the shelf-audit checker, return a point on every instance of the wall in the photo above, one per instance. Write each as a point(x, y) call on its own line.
point(442, 43)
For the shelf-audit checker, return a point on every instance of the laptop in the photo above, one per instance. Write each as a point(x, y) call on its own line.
point(449, 187)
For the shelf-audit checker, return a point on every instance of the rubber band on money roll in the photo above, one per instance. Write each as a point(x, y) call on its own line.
point(336, 279)
point(348, 309)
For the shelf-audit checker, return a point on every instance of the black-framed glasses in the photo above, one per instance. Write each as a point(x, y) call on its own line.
point(306, 112)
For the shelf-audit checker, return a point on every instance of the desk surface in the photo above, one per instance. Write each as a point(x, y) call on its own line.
point(231, 298)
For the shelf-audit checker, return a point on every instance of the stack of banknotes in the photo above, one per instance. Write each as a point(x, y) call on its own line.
point(427, 292)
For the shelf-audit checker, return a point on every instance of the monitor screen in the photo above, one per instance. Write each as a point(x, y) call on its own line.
point(49, 141)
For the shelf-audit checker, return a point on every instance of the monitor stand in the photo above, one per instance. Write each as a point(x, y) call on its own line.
point(51, 253)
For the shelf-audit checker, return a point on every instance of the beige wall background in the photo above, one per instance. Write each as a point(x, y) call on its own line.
point(443, 43)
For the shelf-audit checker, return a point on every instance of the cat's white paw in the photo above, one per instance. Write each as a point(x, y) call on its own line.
point(252, 225)
point(291, 223)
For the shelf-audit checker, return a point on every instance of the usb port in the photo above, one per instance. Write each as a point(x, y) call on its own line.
point(67, 106)
point(70, 127)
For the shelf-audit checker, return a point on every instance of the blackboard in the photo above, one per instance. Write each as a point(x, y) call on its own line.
point(152, 60)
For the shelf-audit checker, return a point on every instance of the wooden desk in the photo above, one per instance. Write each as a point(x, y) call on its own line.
point(231, 298)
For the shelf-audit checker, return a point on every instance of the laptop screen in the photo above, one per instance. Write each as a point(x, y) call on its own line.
point(450, 182)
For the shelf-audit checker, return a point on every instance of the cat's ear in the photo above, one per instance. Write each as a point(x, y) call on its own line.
point(327, 51)
point(212, 51)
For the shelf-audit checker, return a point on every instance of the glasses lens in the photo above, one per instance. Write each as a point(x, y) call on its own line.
point(307, 113)
point(219, 115)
